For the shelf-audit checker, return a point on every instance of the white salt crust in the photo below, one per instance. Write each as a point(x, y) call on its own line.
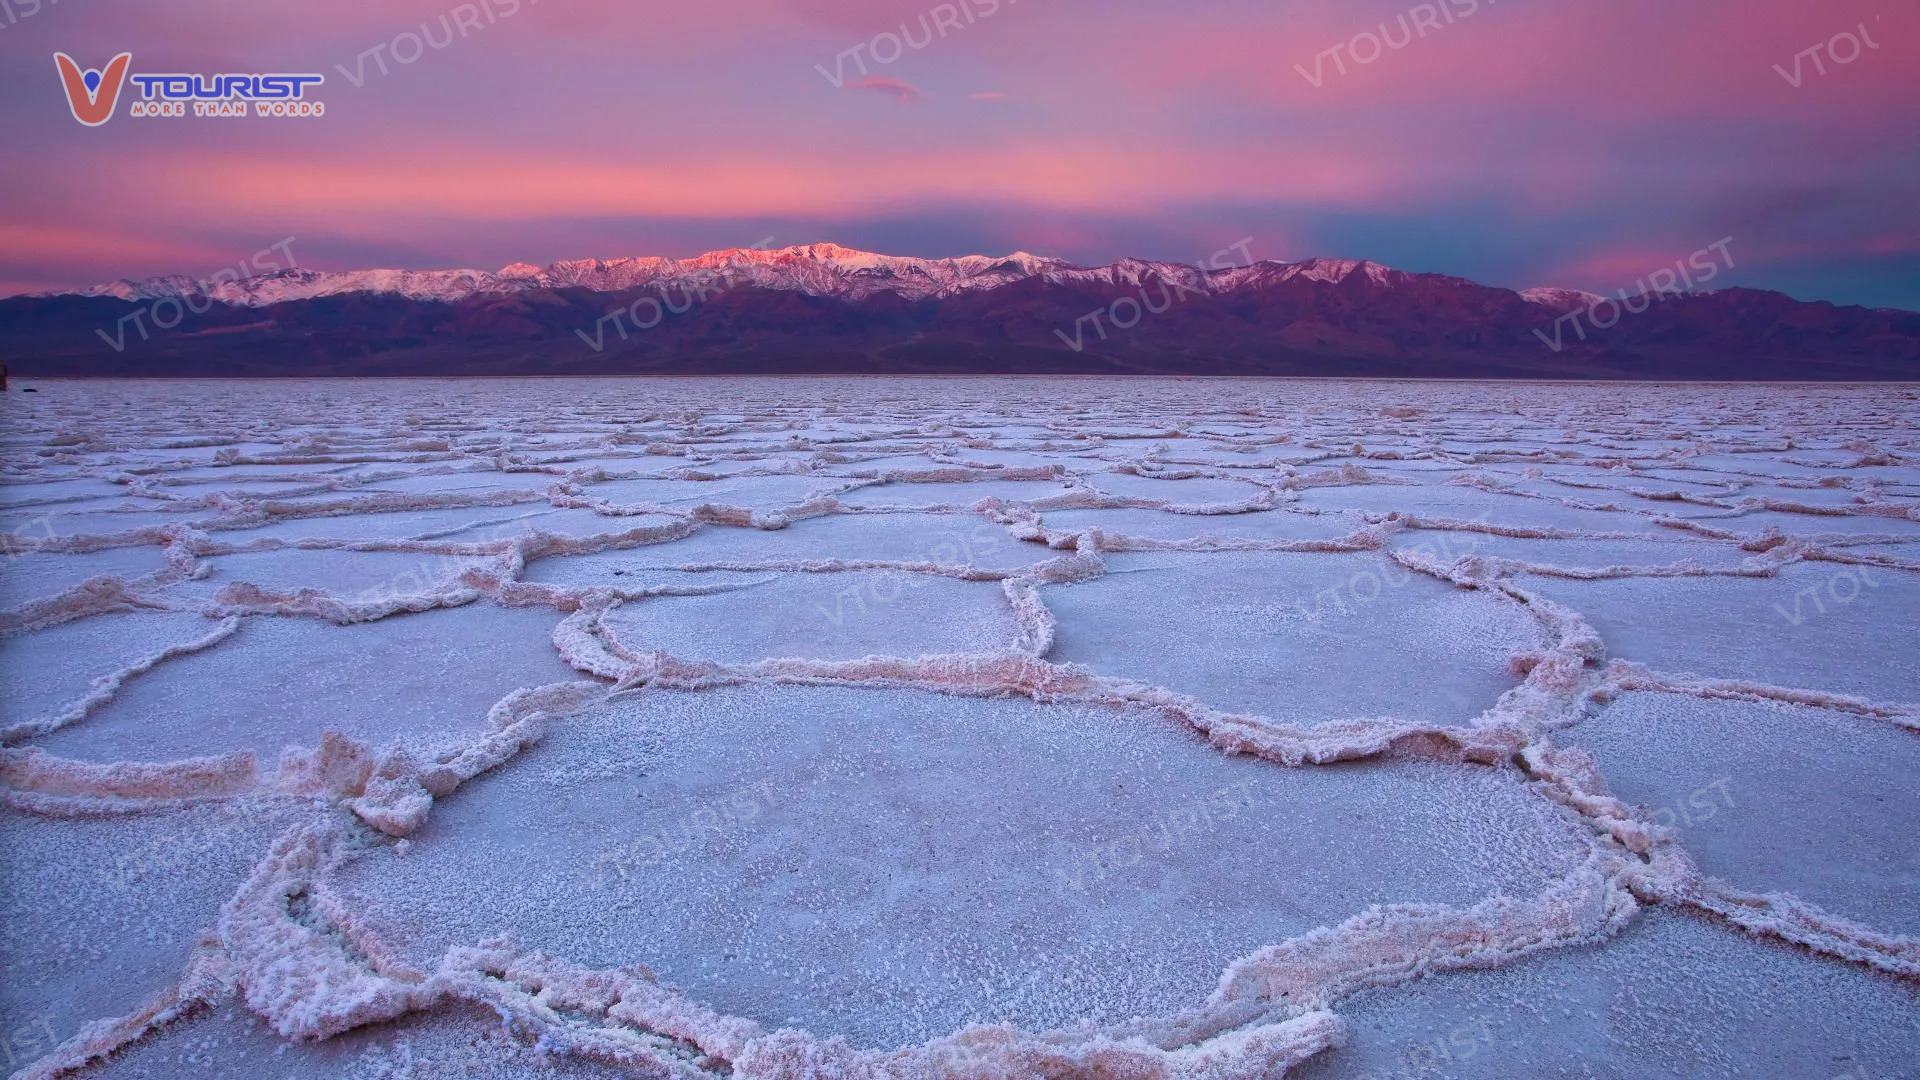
point(1778, 492)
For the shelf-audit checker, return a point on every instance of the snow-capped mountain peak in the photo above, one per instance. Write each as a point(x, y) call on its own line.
point(817, 269)
point(823, 269)
point(1560, 299)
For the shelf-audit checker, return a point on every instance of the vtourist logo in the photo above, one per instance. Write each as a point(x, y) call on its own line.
point(92, 95)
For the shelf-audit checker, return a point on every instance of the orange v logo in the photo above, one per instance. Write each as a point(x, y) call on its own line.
point(91, 95)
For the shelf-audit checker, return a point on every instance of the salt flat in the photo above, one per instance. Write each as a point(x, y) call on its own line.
point(784, 728)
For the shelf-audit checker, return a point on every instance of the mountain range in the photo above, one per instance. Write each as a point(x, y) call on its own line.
point(822, 308)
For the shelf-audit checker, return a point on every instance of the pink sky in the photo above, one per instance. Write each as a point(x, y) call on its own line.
point(1528, 142)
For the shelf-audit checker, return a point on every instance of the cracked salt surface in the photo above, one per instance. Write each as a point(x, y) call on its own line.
point(1581, 558)
point(1811, 624)
point(340, 573)
point(457, 1043)
point(42, 673)
point(959, 495)
point(386, 528)
point(33, 575)
point(825, 616)
point(891, 866)
point(1298, 637)
point(282, 682)
point(101, 913)
point(1670, 997)
point(1160, 525)
point(951, 541)
point(1731, 777)
point(809, 728)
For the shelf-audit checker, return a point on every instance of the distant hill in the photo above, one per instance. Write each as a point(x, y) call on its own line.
point(823, 308)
